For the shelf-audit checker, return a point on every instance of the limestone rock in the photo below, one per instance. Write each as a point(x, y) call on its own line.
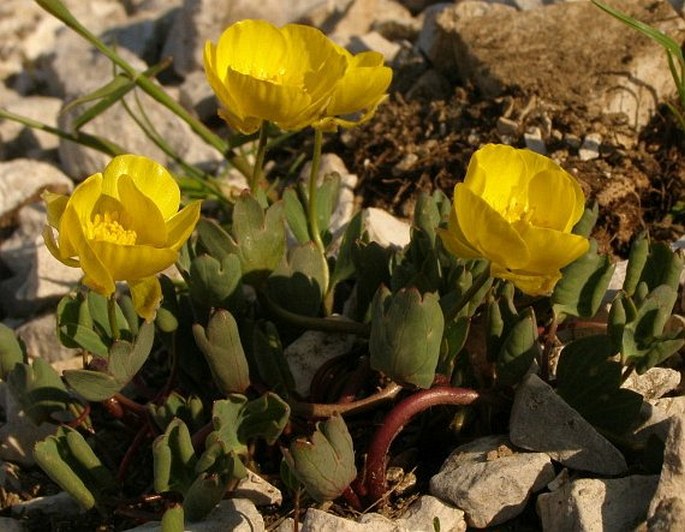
point(672, 479)
point(654, 383)
point(258, 490)
point(543, 421)
point(385, 229)
point(420, 516)
point(597, 504)
point(40, 338)
point(490, 481)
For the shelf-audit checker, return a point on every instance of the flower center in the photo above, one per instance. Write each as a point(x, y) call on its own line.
point(275, 77)
point(106, 228)
point(517, 211)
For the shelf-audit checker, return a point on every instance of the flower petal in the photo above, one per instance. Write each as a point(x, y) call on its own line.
point(180, 226)
point(455, 241)
point(532, 284)
point(141, 214)
point(53, 248)
point(97, 276)
point(550, 250)
point(487, 231)
point(555, 200)
point(150, 177)
point(130, 263)
point(146, 295)
point(55, 205)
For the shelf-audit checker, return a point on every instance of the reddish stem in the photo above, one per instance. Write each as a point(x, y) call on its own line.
point(395, 421)
point(352, 499)
point(143, 433)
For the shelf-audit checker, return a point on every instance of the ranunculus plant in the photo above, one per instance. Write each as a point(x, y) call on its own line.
point(123, 224)
point(517, 209)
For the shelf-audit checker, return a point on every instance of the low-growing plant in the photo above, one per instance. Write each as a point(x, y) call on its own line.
point(186, 375)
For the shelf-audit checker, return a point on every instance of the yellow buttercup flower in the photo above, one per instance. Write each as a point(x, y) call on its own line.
point(122, 225)
point(263, 73)
point(517, 208)
point(359, 92)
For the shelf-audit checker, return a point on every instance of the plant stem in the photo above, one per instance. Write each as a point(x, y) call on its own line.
point(112, 316)
point(312, 215)
point(341, 326)
point(476, 285)
point(319, 410)
point(395, 421)
point(258, 170)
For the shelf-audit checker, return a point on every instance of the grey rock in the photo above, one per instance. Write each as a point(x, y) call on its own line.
point(80, 161)
point(38, 278)
point(534, 141)
point(654, 383)
point(22, 141)
point(310, 351)
point(373, 41)
point(589, 149)
point(19, 434)
point(22, 181)
point(7, 524)
point(420, 516)
point(490, 481)
point(40, 338)
point(237, 515)
point(543, 421)
point(368, 17)
point(258, 490)
point(594, 505)
point(61, 504)
point(672, 479)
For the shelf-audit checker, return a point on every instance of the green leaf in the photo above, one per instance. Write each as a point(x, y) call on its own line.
point(126, 360)
point(75, 326)
point(92, 385)
point(11, 351)
point(220, 343)
point(406, 333)
point(271, 365)
point(295, 215)
point(39, 390)
point(213, 283)
point(518, 350)
point(174, 459)
point(325, 463)
point(204, 494)
point(299, 281)
point(583, 285)
point(589, 381)
point(327, 198)
point(587, 221)
point(215, 240)
point(173, 519)
point(344, 264)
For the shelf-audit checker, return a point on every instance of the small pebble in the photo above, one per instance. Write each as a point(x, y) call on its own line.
point(590, 148)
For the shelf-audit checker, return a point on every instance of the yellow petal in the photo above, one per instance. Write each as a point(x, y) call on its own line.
point(531, 284)
point(141, 214)
point(150, 177)
point(146, 295)
point(550, 250)
point(97, 276)
point(487, 231)
point(130, 263)
point(454, 240)
point(73, 228)
point(51, 244)
point(496, 174)
point(180, 227)
point(555, 200)
point(55, 205)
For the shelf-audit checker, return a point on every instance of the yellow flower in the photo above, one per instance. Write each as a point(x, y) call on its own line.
point(122, 225)
point(359, 92)
point(517, 208)
point(283, 75)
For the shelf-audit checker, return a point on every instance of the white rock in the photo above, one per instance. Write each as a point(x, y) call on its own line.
point(373, 41)
point(237, 515)
point(39, 278)
point(534, 141)
point(421, 516)
point(310, 351)
point(377, 523)
point(597, 504)
point(22, 181)
point(40, 338)
point(385, 229)
point(489, 481)
point(258, 490)
point(543, 421)
point(672, 479)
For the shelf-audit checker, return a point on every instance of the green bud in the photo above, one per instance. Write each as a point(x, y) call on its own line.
point(406, 333)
